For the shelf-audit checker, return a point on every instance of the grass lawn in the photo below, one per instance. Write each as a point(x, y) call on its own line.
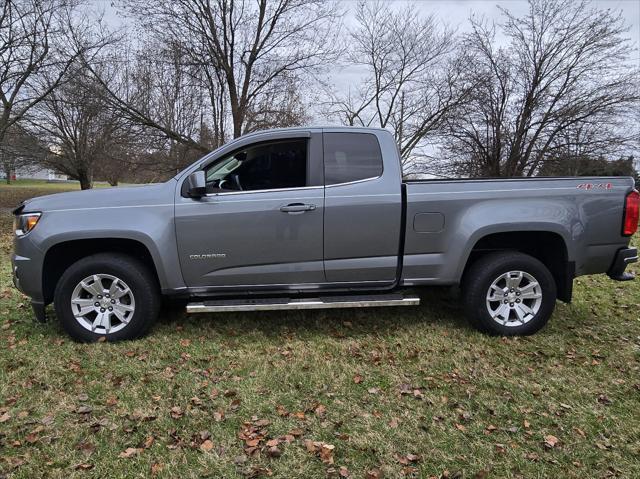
point(408, 392)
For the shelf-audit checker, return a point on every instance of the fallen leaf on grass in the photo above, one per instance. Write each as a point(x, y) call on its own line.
point(130, 452)
point(176, 412)
point(603, 399)
point(406, 460)
point(550, 441)
point(373, 474)
point(206, 445)
point(321, 449)
point(83, 466)
point(84, 409)
point(357, 379)
point(5, 417)
point(274, 451)
point(156, 468)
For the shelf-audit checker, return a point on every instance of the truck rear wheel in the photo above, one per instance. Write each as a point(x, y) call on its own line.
point(111, 296)
point(509, 294)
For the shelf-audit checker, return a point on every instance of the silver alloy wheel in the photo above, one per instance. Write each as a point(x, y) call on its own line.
point(514, 298)
point(103, 303)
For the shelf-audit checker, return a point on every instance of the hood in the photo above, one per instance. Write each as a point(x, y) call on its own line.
point(155, 194)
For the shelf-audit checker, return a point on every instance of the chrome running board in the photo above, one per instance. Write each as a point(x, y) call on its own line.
point(325, 302)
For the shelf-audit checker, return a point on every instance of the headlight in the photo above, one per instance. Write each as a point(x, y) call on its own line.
point(22, 224)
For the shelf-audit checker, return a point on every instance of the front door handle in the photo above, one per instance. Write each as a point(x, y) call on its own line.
point(297, 208)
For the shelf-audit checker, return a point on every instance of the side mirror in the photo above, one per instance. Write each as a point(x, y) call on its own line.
point(197, 184)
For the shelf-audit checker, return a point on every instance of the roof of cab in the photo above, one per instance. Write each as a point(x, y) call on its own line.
point(312, 127)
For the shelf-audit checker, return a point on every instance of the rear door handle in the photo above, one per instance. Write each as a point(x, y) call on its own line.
point(297, 208)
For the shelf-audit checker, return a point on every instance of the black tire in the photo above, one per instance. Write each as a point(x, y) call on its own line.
point(134, 273)
point(478, 280)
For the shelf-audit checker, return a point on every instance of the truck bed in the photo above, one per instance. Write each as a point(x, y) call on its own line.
point(447, 218)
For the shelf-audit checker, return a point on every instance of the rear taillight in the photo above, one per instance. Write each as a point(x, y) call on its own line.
point(631, 209)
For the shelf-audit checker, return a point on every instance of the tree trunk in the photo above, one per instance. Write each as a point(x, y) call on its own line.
point(7, 172)
point(85, 181)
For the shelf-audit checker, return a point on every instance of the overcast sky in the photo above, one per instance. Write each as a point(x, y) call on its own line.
point(457, 12)
point(454, 12)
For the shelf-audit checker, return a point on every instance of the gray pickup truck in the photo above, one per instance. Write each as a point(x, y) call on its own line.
point(308, 218)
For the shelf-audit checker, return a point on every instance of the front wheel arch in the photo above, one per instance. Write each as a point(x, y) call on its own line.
point(61, 256)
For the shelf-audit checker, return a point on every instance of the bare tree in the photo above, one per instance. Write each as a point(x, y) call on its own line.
point(238, 52)
point(412, 82)
point(564, 71)
point(37, 41)
point(19, 149)
point(79, 127)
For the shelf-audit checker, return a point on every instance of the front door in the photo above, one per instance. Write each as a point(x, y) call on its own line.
point(261, 223)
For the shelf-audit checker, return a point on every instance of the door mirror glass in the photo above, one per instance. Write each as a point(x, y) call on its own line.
point(197, 184)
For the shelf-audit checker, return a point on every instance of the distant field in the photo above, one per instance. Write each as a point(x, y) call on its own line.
point(393, 393)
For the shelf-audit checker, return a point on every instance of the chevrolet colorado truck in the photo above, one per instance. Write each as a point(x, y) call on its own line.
point(309, 218)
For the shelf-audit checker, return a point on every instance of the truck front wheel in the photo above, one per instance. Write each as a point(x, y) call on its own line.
point(111, 296)
point(508, 294)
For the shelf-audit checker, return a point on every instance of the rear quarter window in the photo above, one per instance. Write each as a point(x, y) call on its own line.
point(351, 157)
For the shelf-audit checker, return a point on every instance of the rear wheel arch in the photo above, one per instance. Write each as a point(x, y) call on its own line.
point(549, 247)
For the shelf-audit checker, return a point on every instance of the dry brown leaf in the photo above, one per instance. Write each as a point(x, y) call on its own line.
point(357, 379)
point(206, 445)
point(252, 442)
point(550, 441)
point(156, 468)
point(373, 474)
point(326, 453)
point(274, 451)
point(130, 452)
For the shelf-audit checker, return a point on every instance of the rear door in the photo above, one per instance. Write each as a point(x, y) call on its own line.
point(261, 222)
point(363, 209)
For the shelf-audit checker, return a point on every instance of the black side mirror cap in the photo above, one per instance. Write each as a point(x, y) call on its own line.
point(197, 184)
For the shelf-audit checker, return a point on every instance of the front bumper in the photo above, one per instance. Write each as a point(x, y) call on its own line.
point(26, 278)
point(624, 257)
